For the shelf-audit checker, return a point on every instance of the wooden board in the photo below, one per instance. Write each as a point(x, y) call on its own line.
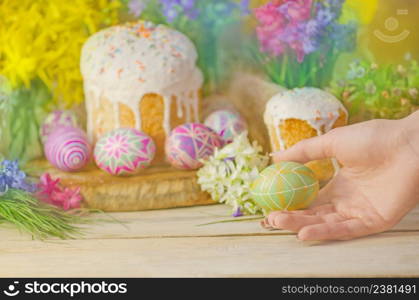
point(184, 222)
point(258, 256)
point(168, 243)
point(157, 187)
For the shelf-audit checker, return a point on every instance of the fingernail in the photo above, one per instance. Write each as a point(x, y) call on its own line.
point(264, 224)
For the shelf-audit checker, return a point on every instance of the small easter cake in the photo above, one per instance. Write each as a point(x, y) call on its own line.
point(302, 113)
point(141, 76)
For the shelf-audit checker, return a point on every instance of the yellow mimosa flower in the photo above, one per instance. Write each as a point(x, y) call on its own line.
point(42, 39)
point(363, 10)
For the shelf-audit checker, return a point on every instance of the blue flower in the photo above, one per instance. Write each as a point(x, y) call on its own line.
point(173, 8)
point(3, 184)
point(344, 36)
point(355, 71)
point(12, 177)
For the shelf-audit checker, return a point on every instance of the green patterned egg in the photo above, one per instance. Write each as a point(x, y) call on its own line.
point(285, 186)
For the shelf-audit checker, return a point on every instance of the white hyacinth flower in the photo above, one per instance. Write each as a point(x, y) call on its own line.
point(228, 174)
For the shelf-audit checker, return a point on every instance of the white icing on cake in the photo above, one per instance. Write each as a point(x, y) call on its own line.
point(318, 108)
point(126, 62)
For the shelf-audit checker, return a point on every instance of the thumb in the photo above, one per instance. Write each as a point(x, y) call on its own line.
point(316, 148)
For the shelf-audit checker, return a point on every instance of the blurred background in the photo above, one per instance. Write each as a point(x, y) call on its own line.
point(392, 18)
point(395, 19)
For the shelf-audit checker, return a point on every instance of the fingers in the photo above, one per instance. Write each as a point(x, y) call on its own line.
point(345, 230)
point(320, 224)
point(320, 147)
point(265, 224)
point(294, 221)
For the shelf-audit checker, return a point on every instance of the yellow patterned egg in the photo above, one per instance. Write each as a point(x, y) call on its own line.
point(285, 186)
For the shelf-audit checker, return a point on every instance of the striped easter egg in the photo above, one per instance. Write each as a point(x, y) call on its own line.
point(285, 186)
point(189, 143)
point(124, 151)
point(67, 149)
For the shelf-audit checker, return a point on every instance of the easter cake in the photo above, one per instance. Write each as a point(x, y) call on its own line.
point(142, 76)
point(302, 113)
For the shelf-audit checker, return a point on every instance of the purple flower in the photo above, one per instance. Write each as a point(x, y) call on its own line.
point(238, 213)
point(136, 7)
point(174, 8)
point(210, 12)
point(329, 11)
point(301, 38)
point(12, 177)
point(312, 27)
point(325, 16)
point(245, 7)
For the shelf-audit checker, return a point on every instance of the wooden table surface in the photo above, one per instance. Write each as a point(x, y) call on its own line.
point(168, 243)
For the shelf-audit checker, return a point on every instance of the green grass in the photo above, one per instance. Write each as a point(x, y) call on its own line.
point(40, 220)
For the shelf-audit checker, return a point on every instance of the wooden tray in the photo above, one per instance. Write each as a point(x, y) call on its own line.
point(155, 188)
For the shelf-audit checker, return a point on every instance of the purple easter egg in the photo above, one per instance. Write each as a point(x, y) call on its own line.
point(124, 151)
point(67, 149)
point(189, 143)
point(226, 123)
point(57, 118)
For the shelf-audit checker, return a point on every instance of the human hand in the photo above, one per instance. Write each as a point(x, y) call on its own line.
point(376, 187)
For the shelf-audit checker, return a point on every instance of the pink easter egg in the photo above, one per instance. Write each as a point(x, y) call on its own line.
point(226, 123)
point(124, 151)
point(57, 118)
point(67, 149)
point(189, 143)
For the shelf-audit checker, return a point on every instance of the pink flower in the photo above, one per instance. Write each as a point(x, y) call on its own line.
point(50, 192)
point(286, 24)
point(272, 24)
point(269, 14)
point(68, 199)
point(47, 186)
point(296, 10)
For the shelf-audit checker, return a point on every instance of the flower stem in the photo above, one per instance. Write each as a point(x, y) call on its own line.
point(231, 221)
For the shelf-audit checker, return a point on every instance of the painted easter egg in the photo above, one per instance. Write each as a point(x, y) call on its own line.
point(226, 123)
point(285, 186)
point(57, 118)
point(67, 149)
point(124, 151)
point(189, 143)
